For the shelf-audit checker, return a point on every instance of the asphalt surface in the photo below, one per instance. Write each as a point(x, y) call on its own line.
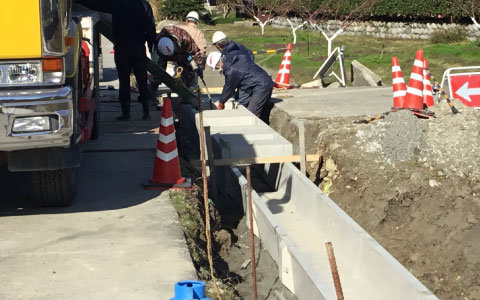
point(117, 240)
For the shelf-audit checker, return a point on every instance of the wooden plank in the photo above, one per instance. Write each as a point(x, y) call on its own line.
point(301, 137)
point(259, 160)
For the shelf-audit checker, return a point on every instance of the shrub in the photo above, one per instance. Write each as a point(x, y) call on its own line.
point(178, 9)
point(446, 36)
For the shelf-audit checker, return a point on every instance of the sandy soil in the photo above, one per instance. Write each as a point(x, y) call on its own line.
point(413, 184)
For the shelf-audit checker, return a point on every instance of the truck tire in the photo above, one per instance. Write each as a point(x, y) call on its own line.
point(55, 188)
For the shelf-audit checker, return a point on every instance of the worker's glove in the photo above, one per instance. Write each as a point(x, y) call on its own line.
point(200, 72)
point(193, 64)
point(220, 106)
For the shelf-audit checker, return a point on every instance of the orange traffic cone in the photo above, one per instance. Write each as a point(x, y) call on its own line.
point(166, 169)
point(283, 76)
point(399, 87)
point(427, 87)
point(414, 97)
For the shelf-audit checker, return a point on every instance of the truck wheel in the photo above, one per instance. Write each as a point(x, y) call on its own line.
point(56, 187)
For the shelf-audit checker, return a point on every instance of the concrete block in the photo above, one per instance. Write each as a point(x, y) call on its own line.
point(363, 76)
point(312, 84)
point(237, 133)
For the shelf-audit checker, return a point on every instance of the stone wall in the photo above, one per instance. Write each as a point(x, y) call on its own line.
point(391, 29)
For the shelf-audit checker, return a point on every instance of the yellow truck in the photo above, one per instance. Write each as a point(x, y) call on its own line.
point(48, 93)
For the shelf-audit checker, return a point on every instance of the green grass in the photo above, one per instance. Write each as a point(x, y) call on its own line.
point(375, 53)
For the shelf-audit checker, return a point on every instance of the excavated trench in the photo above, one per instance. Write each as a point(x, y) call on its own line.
point(294, 219)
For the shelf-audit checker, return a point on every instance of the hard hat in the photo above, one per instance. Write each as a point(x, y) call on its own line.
point(218, 36)
point(193, 16)
point(213, 58)
point(166, 46)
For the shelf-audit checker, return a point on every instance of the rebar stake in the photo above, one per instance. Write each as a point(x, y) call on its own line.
point(333, 267)
point(205, 197)
point(252, 237)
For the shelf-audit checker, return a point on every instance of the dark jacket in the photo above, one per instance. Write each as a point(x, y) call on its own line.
point(133, 22)
point(232, 47)
point(242, 72)
point(185, 46)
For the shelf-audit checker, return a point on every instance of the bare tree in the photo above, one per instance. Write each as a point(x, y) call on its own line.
point(333, 10)
point(285, 10)
point(469, 7)
point(226, 6)
point(263, 11)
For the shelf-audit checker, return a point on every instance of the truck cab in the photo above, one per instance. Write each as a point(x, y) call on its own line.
point(48, 96)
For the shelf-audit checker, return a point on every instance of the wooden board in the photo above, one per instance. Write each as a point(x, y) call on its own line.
point(258, 160)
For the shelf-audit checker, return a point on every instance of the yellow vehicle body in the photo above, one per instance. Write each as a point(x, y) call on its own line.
point(20, 30)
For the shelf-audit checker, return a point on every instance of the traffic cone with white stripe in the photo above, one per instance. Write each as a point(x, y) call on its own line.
point(283, 75)
point(166, 169)
point(414, 97)
point(427, 86)
point(399, 87)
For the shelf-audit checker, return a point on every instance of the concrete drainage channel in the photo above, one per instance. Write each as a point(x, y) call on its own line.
point(294, 219)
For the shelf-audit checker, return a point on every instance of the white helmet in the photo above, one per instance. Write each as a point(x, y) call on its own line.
point(166, 46)
point(218, 36)
point(213, 58)
point(193, 16)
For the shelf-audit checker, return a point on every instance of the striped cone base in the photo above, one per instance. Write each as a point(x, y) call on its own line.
point(283, 76)
point(166, 169)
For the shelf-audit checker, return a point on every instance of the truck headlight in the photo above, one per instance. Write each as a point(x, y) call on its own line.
point(31, 124)
point(24, 73)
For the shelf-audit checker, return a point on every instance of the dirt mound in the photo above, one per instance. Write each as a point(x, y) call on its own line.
point(414, 184)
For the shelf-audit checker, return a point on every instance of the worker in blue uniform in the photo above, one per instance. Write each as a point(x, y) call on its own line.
point(225, 46)
point(242, 73)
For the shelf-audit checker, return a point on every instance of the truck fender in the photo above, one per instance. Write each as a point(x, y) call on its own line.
point(44, 159)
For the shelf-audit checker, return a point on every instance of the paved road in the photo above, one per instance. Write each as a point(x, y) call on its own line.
point(117, 241)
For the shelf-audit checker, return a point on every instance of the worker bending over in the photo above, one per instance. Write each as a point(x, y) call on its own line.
point(175, 44)
point(221, 42)
point(243, 73)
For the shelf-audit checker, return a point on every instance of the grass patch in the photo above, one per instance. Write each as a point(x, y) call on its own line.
point(375, 53)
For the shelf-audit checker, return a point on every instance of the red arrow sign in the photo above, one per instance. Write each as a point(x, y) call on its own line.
point(466, 87)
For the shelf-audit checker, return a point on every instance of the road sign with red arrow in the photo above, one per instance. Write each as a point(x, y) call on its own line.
point(466, 87)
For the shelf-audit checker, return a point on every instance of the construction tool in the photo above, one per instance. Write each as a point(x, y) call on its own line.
point(206, 88)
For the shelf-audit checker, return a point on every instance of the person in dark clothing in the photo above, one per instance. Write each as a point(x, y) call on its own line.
point(177, 45)
point(241, 72)
point(133, 25)
point(221, 42)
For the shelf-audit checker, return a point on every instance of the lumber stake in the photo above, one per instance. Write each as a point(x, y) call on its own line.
point(303, 158)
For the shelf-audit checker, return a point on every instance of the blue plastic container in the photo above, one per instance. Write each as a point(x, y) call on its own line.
point(189, 289)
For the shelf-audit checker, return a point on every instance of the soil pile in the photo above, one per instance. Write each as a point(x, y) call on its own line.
point(414, 184)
